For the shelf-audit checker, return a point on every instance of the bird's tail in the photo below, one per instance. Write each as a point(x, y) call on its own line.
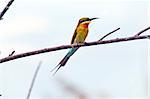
point(64, 60)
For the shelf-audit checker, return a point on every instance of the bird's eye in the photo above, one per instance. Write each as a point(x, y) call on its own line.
point(81, 21)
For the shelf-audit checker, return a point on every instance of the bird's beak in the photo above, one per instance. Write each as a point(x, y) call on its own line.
point(93, 19)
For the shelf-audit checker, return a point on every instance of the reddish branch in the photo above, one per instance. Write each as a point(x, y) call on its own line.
point(6, 8)
point(9, 58)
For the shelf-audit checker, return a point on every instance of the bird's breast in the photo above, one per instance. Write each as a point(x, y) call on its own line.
point(81, 34)
point(85, 25)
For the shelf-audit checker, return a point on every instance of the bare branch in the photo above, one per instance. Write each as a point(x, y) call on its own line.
point(33, 80)
point(11, 53)
point(6, 8)
point(9, 58)
point(142, 31)
point(109, 34)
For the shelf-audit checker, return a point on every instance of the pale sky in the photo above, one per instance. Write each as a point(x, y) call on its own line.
point(117, 71)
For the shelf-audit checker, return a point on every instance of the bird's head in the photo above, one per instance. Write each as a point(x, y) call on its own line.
point(85, 21)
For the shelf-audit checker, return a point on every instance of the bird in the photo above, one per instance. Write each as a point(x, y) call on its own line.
point(79, 36)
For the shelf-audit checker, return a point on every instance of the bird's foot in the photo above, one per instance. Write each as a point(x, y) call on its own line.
point(73, 45)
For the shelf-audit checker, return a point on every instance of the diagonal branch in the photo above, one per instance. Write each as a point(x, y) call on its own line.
point(6, 8)
point(109, 34)
point(9, 58)
point(142, 31)
point(11, 53)
point(33, 80)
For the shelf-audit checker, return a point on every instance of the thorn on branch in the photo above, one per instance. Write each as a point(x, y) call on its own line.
point(11, 53)
point(109, 34)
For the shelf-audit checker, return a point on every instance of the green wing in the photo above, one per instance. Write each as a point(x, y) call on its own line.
point(74, 36)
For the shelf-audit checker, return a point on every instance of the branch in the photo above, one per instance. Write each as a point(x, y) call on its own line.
point(109, 34)
point(5, 9)
point(33, 80)
point(11, 53)
point(142, 31)
point(9, 58)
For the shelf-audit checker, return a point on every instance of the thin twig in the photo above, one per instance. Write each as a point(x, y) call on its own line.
point(9, 58)
point(109, 34)
point(6, 8)
point(33, 80)
point(11, 53)
point(142, 31)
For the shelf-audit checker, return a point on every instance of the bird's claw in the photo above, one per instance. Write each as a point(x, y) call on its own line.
point(72, 45)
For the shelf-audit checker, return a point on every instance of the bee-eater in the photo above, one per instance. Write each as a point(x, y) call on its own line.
point(79, 36)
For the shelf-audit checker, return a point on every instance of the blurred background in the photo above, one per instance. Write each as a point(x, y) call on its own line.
point(110, 71)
